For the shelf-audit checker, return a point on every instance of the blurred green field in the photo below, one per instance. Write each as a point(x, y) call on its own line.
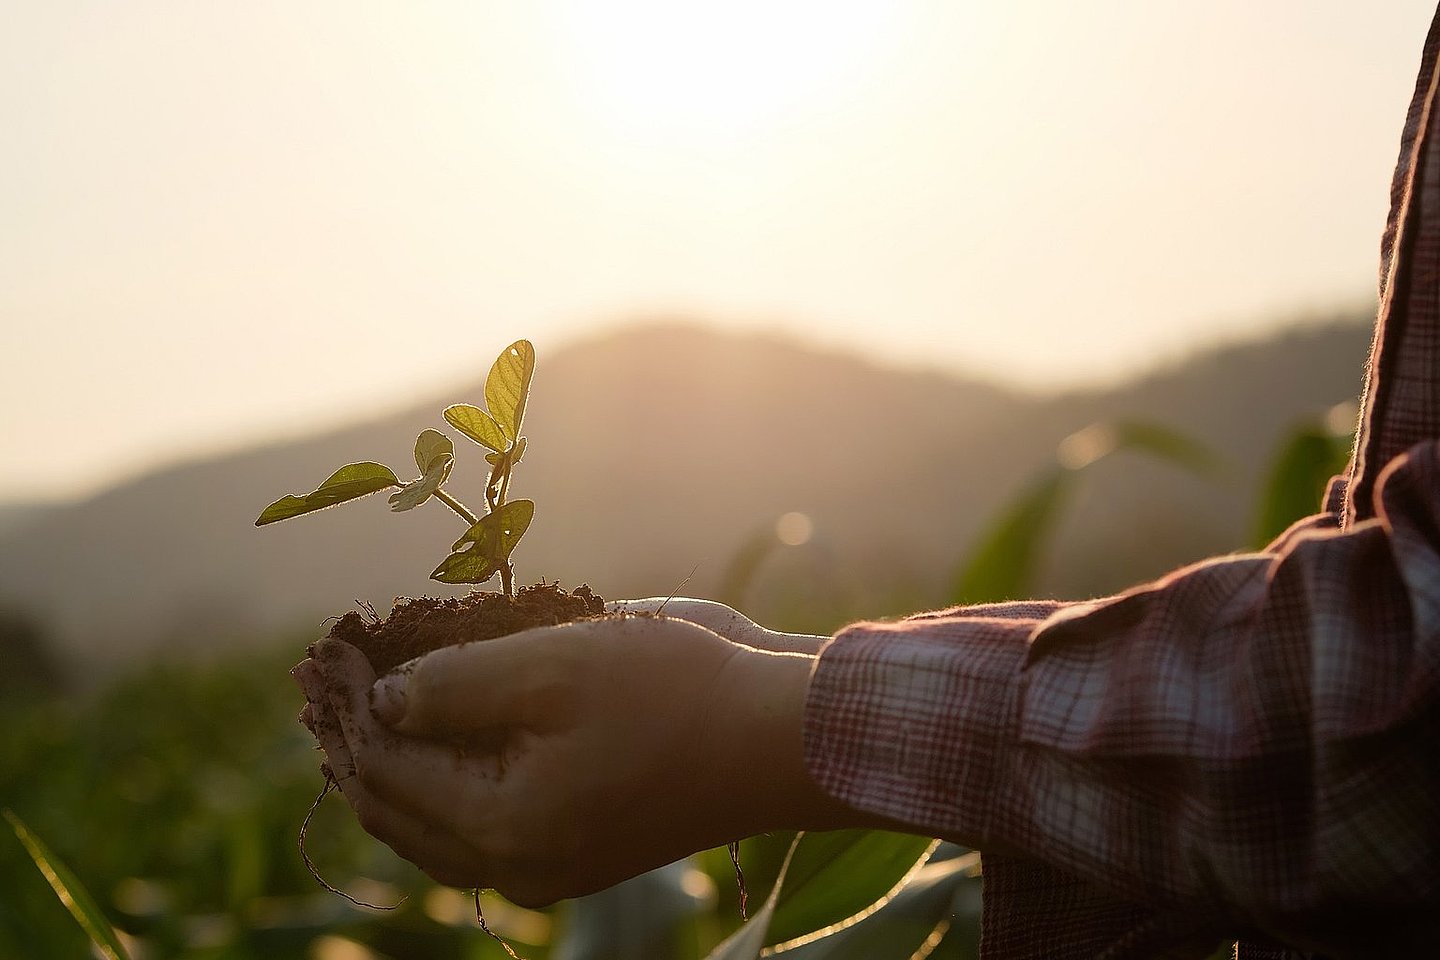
point(175, 794)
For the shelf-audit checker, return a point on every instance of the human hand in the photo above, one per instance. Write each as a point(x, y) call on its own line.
point(724, 620)
point(615, 746)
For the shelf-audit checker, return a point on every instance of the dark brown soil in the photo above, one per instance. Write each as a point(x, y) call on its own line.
point(419, 625)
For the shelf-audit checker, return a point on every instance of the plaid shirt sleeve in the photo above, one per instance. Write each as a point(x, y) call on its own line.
point(1246, 745)
point(1251, 739)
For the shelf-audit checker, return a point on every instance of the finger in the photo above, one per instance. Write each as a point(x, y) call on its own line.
point(708, 613)
point(777, 642)
point(326, 726)
point(724, 620)
point(444, 857)
point(430, 783)
point(514, 681)
point(311, 680)
point(321, 721)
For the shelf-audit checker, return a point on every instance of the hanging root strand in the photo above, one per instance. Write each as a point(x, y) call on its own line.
point(480, 919)
point(330, 784)
point(734, 849)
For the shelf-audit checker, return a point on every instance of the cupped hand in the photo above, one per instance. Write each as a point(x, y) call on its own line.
point(558, 761)
point(446, 859)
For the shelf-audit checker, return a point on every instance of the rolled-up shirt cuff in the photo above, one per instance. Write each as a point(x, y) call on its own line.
point(916, 720)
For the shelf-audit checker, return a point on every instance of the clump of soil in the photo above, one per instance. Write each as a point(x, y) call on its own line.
point(419, 625)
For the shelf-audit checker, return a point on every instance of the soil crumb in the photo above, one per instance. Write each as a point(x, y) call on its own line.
point(419, 625)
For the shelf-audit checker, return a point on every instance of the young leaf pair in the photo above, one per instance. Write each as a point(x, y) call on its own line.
point(486, 546)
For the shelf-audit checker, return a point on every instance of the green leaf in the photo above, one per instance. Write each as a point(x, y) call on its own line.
point(1099, 440)
point(486, 546)
point(940, 896)
point(1001, 567)
point(416, 492)
point(508, 386)
point(71, 892)
point(477, 425)
point(1297, 480)
point(828, 882)
point(744, 564)
point(430, 446)
point(838, 876)
point(1166, 444)
point(350, 482)
point(747, 942)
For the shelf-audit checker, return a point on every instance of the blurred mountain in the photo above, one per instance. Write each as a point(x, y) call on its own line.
point(16, 513)
point(662, 450)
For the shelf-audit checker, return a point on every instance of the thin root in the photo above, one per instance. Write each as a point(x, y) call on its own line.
point(480, 919)
point(330, 784)
point(739, 879)
point(678, 587)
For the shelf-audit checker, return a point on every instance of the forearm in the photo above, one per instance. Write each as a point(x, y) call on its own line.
point(754, 734)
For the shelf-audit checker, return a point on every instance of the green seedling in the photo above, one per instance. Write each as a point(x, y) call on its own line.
point(485, 548)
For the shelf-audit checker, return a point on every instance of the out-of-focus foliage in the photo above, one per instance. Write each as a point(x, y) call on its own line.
point(31, 669)
point(71, 891)
point(935, 916)
point(175, 795)
point(1002, 566)
point(1306, 462)
point(874, 863)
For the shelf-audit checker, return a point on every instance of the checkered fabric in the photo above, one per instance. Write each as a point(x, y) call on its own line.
point(1248, 748)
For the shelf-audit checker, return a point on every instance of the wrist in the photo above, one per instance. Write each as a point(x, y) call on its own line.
point(757, 734)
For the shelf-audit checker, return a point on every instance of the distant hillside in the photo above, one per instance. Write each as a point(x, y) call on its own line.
point(15, 514)
point(661, 450)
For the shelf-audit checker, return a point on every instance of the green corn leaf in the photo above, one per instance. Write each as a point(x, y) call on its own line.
point(839, 876)
point(486, 547)
point(71, 892)
point(1297, 480)
point(350, 482)
point(1166, 444)
point(430, 446)
point(747, 942)
point(828, 883)
point(941, 898)
point(477, 425)
point(1002, 566)
point(744, 565)
point(508, 386)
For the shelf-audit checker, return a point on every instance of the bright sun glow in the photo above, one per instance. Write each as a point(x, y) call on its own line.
point(662, 70)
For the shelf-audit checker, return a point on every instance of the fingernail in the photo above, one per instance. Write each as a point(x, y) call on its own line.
point(387, 698)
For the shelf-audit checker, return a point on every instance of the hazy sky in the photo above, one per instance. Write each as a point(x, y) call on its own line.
point(222, 222)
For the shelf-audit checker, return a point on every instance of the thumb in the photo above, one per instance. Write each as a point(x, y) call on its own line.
point(488, 683)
